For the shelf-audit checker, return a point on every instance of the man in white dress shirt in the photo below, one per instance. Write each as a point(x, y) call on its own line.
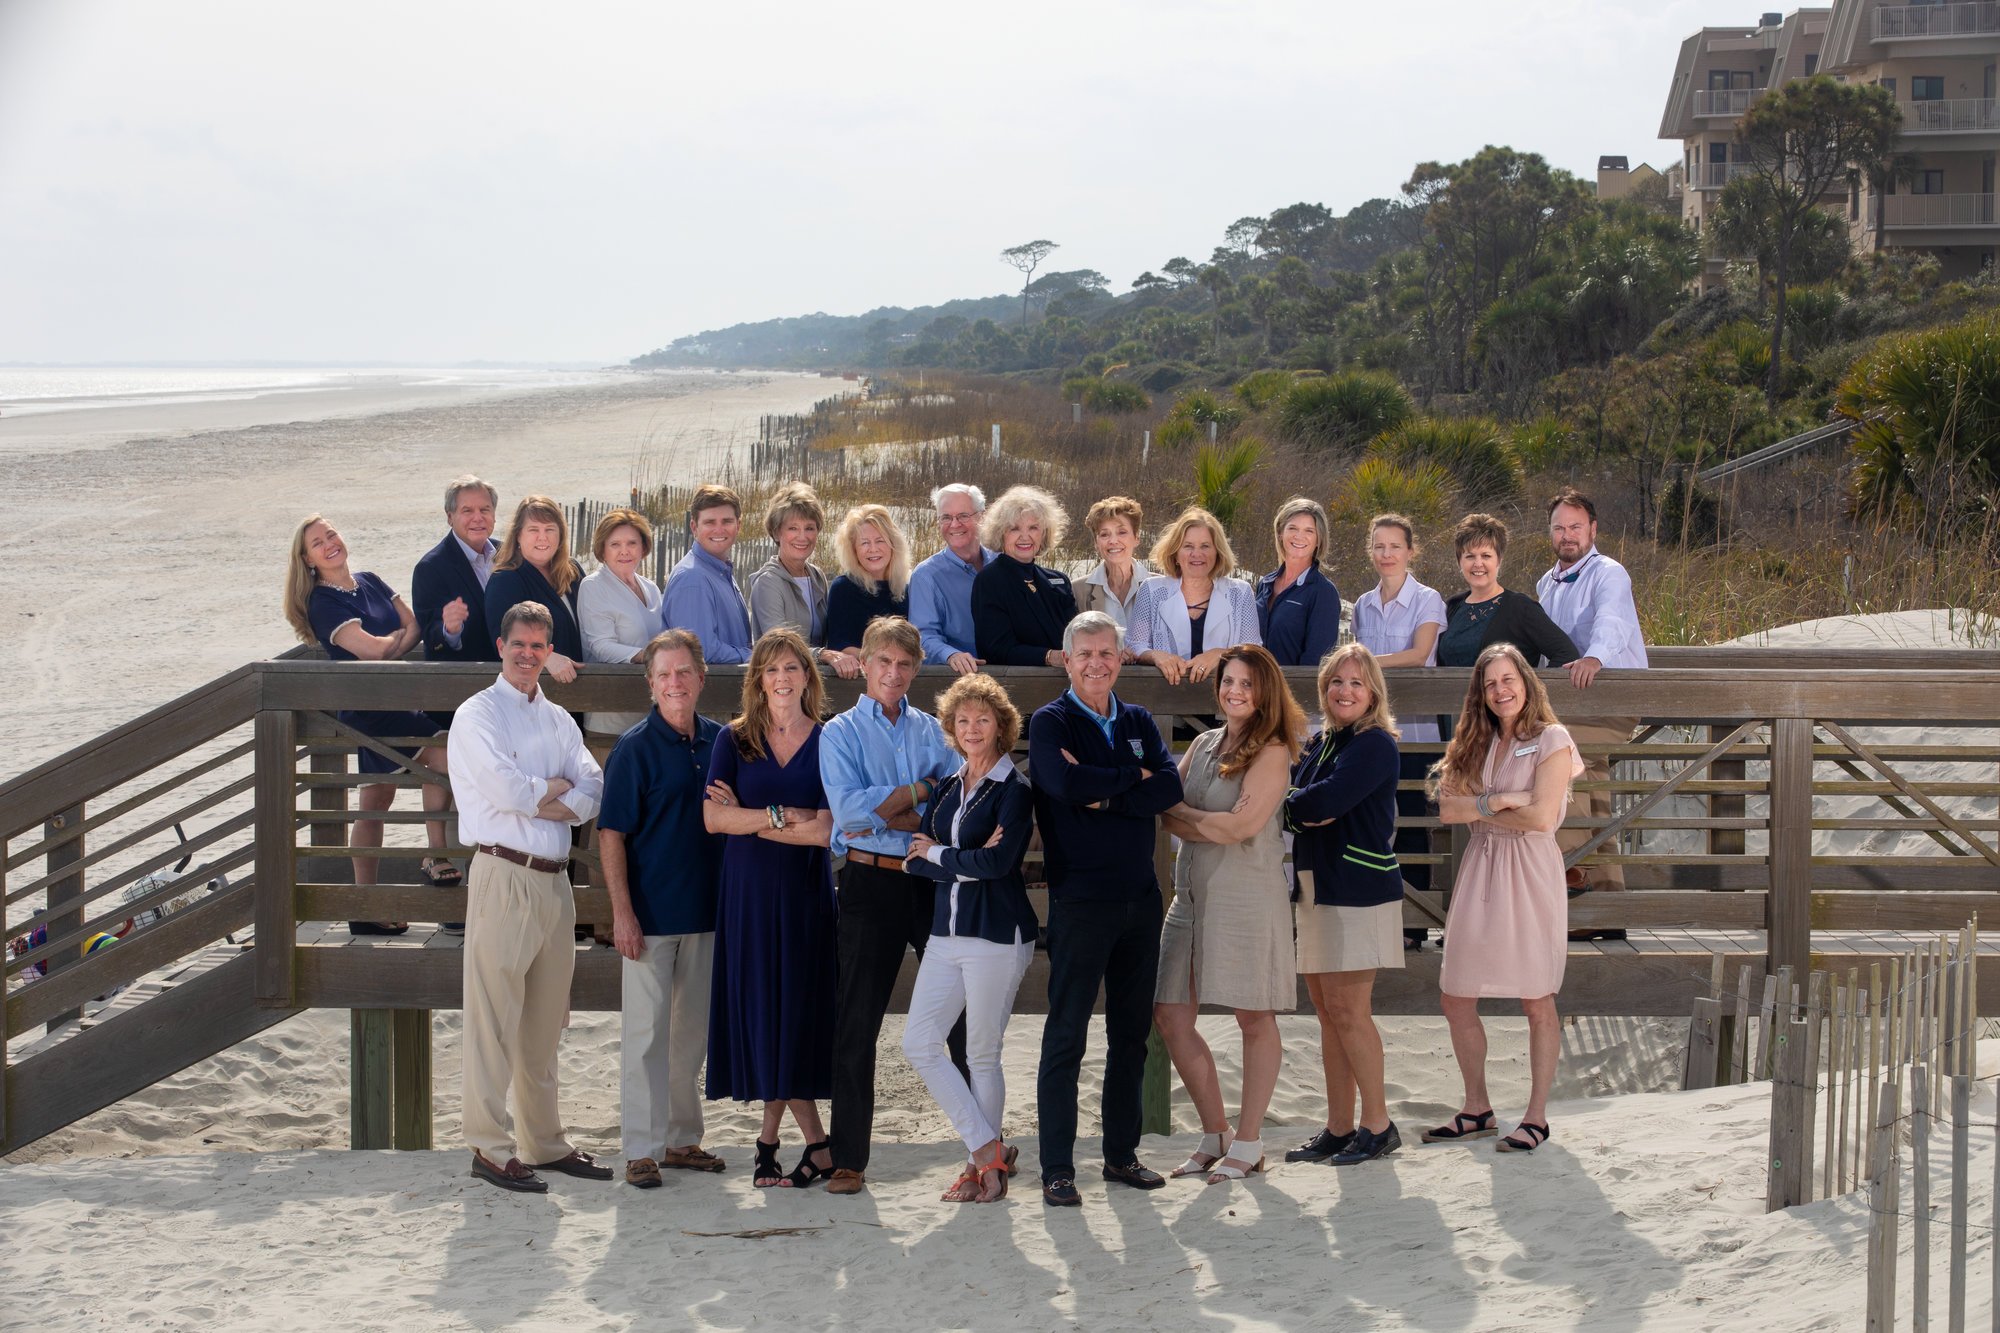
point(1589, 596)
point(523, 778)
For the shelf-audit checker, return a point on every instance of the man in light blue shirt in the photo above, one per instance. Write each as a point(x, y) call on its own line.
point(879, 762)
point(701, 593)
point(941, 587)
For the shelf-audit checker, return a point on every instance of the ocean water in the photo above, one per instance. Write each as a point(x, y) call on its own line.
point(32, 390)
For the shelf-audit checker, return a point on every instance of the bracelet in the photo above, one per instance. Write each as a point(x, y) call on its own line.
point(776, 814)
point(1484, 805)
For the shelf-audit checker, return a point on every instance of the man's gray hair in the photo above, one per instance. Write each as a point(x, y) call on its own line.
point(1090, 624)
point(970, 492)
point(466, 483)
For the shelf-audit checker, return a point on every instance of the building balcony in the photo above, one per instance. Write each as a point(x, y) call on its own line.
point(1938, 210)
point(1716, 175)
point(1906, 23)
point(1725, 101)
point(1953, 115)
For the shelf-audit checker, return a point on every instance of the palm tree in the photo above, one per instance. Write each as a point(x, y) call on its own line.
point(1216, 280)
point(1218, 470)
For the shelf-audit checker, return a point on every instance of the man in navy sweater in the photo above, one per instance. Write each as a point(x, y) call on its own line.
point(1102, 776)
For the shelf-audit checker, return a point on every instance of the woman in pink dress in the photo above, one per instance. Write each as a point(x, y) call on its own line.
point(1507, 773)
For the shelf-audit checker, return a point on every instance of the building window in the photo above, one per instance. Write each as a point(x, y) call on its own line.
point(1853, 201)
point(1889, 84)
point(1928, 182)
point(1927, 88)
point(1812, 63)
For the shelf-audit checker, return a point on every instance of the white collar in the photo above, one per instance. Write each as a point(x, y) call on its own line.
point(1556, 571)
point(1000, 771)
point(519, 699)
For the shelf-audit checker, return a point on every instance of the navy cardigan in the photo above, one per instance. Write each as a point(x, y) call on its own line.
point(1100, 855)
point(524, 583)
point(994, 905)
point(1019, 612)
point(1350, 778)
point(1302, 624)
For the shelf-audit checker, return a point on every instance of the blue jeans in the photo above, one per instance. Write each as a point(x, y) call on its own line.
point(1116, 944)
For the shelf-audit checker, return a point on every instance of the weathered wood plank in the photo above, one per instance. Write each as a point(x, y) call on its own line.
point(277, 924)
point(1788, 909)
point(370, 1084)
point(411, 1096)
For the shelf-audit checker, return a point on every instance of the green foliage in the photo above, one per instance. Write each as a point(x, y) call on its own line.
point(1928, 447)
point(1114, 396)
point(1816, 316)
point(1201, 407)
point(1421, 492)
point(1738, 353)
point(1178, 432)
point(1546, 444)
point(1473, 451)
point(1260, 389)
point(1689, 515)
point(1343, 411)
point(1219, 470)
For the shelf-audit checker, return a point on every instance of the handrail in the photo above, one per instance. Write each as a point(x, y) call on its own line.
point(1783, 449)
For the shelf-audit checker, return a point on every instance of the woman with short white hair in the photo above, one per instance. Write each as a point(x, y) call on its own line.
point(1019, 607)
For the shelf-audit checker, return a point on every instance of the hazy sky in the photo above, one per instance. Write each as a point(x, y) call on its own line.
point(422, 181)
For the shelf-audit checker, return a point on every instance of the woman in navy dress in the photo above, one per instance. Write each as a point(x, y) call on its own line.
point(535, 565)
point(770, 1026)
point(874, 577)
point(358, 617)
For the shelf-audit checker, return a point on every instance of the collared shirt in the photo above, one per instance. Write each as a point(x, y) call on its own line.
point(1094, 592)
point(1591, 602)
point(702, 597)
point(1105, 721)
point(941, 603)
point(1301, 624)
point(1391, 627)
point(864, 757)
point(654, 786)
point(504, 748)
point(482, 569)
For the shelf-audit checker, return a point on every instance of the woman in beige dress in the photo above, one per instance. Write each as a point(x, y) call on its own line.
point(1507, 773)
point(1227, 938)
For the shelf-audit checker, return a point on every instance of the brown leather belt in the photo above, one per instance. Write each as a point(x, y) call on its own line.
point(880, 862)
point(541, 863)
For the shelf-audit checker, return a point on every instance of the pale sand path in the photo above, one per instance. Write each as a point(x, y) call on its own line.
point(137, 571)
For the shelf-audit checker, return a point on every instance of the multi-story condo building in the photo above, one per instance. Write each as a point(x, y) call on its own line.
point(1938, 59)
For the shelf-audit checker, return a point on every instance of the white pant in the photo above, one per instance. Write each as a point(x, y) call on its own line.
point(977, 978)
point(662, 1037)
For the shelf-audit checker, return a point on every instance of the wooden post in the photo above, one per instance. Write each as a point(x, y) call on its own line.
point(1726, 841)
point(276, 913)
point(1815, 989)
point(1882, 1223)
point(1787, 1182)
point(1767, 1018)
point(1920, 1200)
point(66, 889)
point(369, 1079)
point(1698, 1065)
point(1156, 1100)
point(1844, 1004)
point(1961, 1145)
point(411, 1112)
point(1146, 449)
point(996, 439)
point(1788, 906)
point(1739, 1058)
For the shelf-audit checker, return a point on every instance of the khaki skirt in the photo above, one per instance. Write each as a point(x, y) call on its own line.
point(1346, 939)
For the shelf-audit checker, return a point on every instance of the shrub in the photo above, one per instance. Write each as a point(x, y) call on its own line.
point(1929, 407)
point(1547, 444)
point(1161, 376)
point(1219, 469)
point(1689, 514)
point(1421, 492)
point(1814, 317)
point(1738, 353)
point(1261, 388)
point(1343, 410)
point(1473, 451)
point(1202, 407)
point(1102, 395)
point(1177, 432)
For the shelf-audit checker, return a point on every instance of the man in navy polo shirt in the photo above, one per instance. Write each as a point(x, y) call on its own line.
point(661, 867)
point(1102, 777)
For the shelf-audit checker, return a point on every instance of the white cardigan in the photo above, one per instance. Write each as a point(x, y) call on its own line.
point(615, 626)
point(1158, 618)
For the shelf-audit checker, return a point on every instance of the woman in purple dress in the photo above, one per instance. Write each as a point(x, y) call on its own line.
point(770, 1027)
point(358, 617)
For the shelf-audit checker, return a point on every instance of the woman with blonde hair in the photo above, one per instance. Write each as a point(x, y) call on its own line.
point(356, 617)
point(1227, 938)
point(770, 1028)
point(874, 555)
point(1113, 524)
point(617, 607)
point(535, 565)
point(1507, 773)
point(1342, 813)
point(1298, 608)
point(1019, 607)
point(789, 592)
point(1184, 622)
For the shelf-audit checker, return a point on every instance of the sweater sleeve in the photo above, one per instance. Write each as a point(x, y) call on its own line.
point(1542, 637)
point(1072, 784)
point(1360, 769)
point(1159, 793)
point(1017, 822)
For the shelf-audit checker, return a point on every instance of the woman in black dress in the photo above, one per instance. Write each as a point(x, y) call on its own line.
point(1020, 608)
point(1486, 613)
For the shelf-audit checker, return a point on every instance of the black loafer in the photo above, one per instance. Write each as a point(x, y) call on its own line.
point(1136, 1174)
point(1320, 1146)
point(1368, 1145)
point(579, 1164)
point(1060, 1192)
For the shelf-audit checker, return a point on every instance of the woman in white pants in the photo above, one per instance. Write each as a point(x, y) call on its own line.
point(971, 839)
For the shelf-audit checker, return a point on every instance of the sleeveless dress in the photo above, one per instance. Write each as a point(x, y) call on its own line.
point(1507, 934)
point(1228, 934)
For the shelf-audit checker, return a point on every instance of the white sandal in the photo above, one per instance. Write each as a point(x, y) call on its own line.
point(1210, 1148)
point(1243, 1150)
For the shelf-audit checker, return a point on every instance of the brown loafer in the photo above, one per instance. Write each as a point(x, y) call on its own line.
point(845, 1181)
point(579, 1164)
point(643, 1172)
point(513, 1176)
point(690, 1159)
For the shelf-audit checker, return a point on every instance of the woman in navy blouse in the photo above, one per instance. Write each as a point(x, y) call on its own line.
point(1020, 608)
point(535, 565)
point(971, 839)
point(1298, 608)
point(359, 618)
point(874, 577)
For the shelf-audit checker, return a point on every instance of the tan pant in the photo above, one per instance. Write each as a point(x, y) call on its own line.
point(1597, 768)
point(662, 1039)
point(520, 952)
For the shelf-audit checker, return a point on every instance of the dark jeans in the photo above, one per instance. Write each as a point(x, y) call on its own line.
point(1118, 945)
point(883, 914)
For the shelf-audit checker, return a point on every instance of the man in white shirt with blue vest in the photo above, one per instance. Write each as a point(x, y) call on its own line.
point(1589, 597)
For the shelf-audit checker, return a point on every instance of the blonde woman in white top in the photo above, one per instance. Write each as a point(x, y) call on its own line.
point(1183, 622)
point(617, 607)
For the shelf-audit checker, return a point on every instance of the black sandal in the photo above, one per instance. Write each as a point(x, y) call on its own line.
point(1463, 1126)
point(807, 1171)
point(440, 873)
point(766, 1172)
point(1525, 1138)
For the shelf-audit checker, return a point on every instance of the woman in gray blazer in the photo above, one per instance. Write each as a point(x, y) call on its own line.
point(617, 607)
point(1183, 622)
point(789, 592)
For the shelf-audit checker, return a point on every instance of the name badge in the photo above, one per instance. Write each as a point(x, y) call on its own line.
point(1522, 751)
point(1138, 750)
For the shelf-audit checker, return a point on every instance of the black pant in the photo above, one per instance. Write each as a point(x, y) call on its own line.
point(1117, 944)
point(1414, 804)
point(883, 914)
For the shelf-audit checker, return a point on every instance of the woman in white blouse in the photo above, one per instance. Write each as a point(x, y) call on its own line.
point(1113, 523)
point(1184, 622)
point(617, 607)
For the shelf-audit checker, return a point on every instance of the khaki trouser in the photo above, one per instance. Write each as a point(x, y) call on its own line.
point(662, 1038)
point(1597, 768)
point(520, 952)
